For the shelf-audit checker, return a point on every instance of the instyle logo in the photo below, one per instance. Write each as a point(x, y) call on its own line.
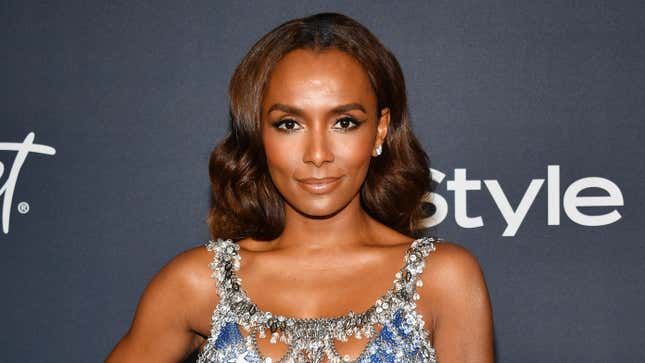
point(6, 191)
point(571, 201)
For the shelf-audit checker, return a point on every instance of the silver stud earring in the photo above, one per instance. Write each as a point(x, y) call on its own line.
point(379, 149)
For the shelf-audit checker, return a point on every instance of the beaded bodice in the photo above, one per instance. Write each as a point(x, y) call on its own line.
point(402, 337)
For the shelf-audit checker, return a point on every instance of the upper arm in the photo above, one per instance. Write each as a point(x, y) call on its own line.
point(456, 295)
point(161, 329)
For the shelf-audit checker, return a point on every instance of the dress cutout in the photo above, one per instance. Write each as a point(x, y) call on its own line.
point(402, 338)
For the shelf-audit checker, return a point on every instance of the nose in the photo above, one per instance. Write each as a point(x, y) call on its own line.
point(318, 149)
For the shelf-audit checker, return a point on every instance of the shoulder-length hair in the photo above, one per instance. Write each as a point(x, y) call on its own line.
point(244, 200)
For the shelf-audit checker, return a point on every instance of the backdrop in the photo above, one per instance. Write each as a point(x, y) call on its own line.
point(532, 113)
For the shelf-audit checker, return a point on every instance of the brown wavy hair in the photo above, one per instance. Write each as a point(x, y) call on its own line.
point(244, 200)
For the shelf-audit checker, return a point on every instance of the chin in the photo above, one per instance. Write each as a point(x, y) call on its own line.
point(317, 210)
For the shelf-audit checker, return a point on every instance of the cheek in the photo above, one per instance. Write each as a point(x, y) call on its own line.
point(280, 155)
point(353, 155)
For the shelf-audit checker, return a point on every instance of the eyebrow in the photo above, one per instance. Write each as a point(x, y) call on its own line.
point(299, 112)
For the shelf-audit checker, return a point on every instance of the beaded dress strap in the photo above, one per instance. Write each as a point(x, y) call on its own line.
point(226, 259)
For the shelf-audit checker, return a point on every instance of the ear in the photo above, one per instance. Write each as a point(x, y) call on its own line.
point(381, 128)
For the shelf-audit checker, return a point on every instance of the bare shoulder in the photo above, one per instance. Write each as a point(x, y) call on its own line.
point(191, 269)
point(187, 276)
point(190, 277)
point(169, 320)
point(451, 263)
point(451, 272)
point(455, 296)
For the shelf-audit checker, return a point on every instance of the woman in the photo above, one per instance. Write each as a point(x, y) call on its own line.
point(316, 196)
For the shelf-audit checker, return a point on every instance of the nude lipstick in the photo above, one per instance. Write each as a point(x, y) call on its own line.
point(319, 185)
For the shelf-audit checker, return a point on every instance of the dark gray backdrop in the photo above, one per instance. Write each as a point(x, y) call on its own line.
point(132, 97)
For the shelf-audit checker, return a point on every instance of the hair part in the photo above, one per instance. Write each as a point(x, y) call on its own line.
point(244, 200)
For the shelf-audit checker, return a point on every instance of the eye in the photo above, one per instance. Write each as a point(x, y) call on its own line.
point(288, 123)
point(346, 123)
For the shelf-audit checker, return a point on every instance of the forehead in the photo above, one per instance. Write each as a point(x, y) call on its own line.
point(330, 73)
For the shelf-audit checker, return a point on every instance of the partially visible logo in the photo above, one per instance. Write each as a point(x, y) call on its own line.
point(6, 191)
point(571, 201)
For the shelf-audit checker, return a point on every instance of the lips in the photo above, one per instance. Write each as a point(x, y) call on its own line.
point(319, 185)
point(318, 180)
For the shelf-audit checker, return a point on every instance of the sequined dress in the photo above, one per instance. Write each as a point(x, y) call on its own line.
point(402, 337)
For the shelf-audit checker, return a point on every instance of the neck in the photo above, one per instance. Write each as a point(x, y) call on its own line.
point(349, 226)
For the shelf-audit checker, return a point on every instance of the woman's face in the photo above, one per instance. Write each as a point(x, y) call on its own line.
point(319, 121)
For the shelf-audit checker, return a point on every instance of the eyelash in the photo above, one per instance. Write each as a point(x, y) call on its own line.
point(277, 124)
